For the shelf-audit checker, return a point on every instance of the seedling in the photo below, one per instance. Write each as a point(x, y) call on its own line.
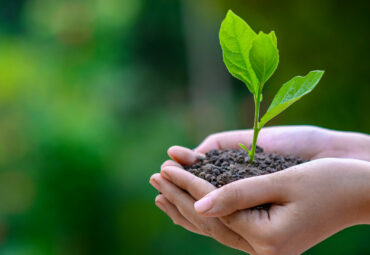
point(253, 58)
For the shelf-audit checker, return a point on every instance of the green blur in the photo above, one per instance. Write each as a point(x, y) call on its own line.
point(92, 93)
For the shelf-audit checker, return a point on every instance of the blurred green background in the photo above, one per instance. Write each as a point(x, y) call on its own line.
point(92, 93)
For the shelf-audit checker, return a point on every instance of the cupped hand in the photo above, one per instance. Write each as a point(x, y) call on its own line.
point(230, 218)
point(309, 203)
point(308, 142)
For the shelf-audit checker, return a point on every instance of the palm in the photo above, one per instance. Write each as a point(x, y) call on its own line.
point(258, 231)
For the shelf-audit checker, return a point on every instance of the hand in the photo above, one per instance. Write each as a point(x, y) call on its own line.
point(310, 202)
point(308, 142)
point(323, 143)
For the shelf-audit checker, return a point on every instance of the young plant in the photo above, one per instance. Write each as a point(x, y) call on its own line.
point(253, 58)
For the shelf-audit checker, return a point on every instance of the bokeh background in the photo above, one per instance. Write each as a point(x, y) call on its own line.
point(92, 93)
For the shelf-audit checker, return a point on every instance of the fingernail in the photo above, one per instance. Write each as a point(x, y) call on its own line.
point(154, 183)
point(163, 165)
point(161, 206)
point(203, 205)
point(200, 156)
point(165, 175)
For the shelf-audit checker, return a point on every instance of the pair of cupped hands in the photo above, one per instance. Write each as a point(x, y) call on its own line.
point(309, 202)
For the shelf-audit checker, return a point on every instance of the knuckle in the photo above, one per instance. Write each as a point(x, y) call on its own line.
point(206, 228)
point(269, 244)
point(178, 198)
point(231, 193)
point(173, 198)
point(268, 250)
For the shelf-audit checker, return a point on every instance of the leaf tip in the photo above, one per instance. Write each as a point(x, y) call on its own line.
point(244, 147)
point(230, 13)
point(319, 72)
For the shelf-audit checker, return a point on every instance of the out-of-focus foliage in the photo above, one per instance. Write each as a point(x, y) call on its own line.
point(92, 93)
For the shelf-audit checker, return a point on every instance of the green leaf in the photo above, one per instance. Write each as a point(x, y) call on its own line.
point(264, 56)
point(244, 147)
point(273, 37)
point(236, 39)
point(291, 92)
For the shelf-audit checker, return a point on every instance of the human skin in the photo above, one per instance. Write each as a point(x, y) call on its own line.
point(309, 202)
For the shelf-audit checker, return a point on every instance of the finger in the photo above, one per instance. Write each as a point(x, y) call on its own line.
point(272, 139)
point(210, 143)
point(209, 226)
point(175, 215)
point(183, 155)
point(226, 140)
point(249, 223)
point(170, 163)
point(196, 186)
point(241, 222)
point(242, 194)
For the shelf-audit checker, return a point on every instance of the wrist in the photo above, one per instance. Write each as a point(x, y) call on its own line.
point(350, 145)
point(359, 174)
point(366, 194)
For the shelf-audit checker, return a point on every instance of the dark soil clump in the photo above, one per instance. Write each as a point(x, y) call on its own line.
point(221, 167)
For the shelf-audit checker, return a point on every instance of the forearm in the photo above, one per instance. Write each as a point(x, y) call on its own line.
point(365, 168)
point(358, 180)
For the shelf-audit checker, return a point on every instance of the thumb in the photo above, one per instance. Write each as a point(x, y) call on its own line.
point(183, 155)
point(242, 194)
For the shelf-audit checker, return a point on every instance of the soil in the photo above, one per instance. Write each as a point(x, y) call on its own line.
point(221, 167)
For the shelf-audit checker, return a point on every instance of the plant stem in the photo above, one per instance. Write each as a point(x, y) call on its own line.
point(256, 128)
